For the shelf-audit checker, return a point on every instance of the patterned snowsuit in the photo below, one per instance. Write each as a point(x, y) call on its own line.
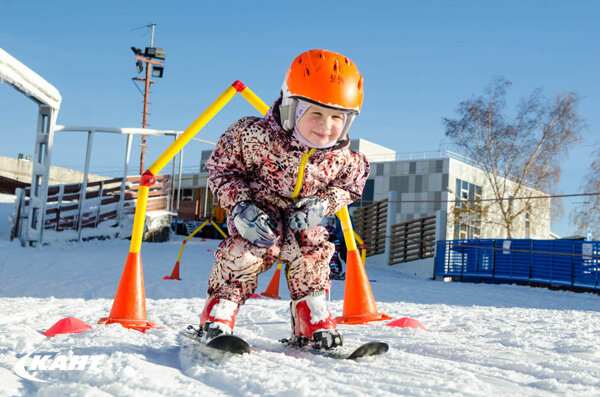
point(256, 160)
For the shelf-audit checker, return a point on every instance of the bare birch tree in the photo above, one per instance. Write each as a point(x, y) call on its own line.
point(525, 148)
point(588, 215)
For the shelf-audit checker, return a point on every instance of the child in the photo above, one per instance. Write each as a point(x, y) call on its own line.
point(277, 177)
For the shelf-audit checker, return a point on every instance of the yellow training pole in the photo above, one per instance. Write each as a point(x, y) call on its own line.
point(189, 237)
point(255, 100)
point(138, 222)
point(350, 234)
point(363, 247)
point(175, 273)
point(218, 228)
point(192, 130)
point(344, 217)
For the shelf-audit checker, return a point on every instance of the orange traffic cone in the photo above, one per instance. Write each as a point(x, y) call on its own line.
point(174, 274)
point(272, 290)
point(129, 306)
point(359, 304)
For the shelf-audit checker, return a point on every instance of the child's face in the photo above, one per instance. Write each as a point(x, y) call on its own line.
point(320, 125)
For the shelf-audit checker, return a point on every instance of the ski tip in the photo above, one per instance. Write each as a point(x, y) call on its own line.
point(230, 344)
point(369, 349)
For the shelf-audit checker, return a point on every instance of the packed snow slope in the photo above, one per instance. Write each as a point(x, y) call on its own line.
point(483, 339)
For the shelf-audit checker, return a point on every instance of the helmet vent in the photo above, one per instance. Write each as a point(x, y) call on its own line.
point(360, 84)
point(307, 72)
point(336, 66)
point(347, 61)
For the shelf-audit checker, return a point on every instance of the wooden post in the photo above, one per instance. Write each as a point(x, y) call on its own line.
point(61, 190)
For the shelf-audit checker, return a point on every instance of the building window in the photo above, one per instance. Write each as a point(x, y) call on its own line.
point(368, 195)
point(467, 210)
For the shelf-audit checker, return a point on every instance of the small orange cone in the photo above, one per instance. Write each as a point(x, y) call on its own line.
point(129, 306)
point(406, 322)
point(359, 303)
point(272, 290)
point(174, 274)
point(69, 325)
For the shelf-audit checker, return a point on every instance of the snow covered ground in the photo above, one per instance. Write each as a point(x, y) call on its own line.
point(482, 340)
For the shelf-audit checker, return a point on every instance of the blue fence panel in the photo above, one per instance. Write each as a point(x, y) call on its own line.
point(586, 264)
point(562, 262)
point(456, 257)
point(470, 258)
point(484, 257)
point(512, 261)
point(541, 263)
point(557, 262)
point(440, 257)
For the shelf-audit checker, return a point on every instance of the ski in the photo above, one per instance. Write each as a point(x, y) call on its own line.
point(340, 353)
point(223, 344)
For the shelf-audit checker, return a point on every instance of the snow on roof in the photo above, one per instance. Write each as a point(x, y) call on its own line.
point(27, 81)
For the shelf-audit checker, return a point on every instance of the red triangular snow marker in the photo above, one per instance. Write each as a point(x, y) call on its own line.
point(406, 322)
point(69, 325)
point(254, 296)
point(203, 239)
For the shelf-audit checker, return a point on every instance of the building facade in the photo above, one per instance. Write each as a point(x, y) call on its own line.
point(453, 187)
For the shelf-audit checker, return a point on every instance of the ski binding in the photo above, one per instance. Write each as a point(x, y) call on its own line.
point(223, 343)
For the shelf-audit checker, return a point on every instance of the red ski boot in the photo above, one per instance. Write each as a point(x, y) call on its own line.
point(312, 323)
point(217, 318)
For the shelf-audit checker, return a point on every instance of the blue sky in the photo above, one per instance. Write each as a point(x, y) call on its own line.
point(419, 59)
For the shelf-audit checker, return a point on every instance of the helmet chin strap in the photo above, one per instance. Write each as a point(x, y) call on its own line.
point(349, 119)
point(287, 111)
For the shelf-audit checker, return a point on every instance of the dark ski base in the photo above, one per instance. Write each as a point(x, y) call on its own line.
point(366, 350)
point(224, 343)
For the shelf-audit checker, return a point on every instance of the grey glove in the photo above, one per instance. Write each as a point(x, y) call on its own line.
point(308, 213)
point(253, 224)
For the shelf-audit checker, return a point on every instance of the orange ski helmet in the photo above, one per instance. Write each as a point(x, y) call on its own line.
point(325, 78)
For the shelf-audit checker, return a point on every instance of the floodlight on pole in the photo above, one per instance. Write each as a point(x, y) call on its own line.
point(151, 55)
point(157, 71)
